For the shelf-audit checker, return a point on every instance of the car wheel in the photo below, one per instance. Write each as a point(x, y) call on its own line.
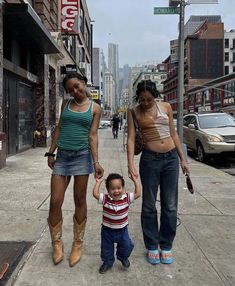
point(201, 153)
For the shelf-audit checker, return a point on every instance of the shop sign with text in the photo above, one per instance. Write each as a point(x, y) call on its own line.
point(69, 16)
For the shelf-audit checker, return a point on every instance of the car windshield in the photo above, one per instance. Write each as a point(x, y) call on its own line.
point(216, 121)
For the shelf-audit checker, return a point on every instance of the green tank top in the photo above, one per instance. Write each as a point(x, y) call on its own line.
point(75, 127)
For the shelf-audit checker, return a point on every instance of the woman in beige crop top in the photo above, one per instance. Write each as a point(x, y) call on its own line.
point(158, 167)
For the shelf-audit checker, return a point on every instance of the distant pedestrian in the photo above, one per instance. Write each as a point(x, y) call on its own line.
point(115, 125)
point(121, 122)
point(159, 166)
point(75, 139)
point(115, 219)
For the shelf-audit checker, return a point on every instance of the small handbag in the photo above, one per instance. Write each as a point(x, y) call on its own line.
point(189, 184)
point(139, 141)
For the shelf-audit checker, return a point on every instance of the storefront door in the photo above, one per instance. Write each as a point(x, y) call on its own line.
point(19, 115)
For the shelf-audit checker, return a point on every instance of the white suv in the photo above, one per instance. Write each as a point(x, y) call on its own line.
point(209, 134)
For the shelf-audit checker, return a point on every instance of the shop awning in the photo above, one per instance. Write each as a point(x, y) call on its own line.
point(21, 21)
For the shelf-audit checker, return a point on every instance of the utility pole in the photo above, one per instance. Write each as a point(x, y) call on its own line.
point(174, 9)
point(180, 93)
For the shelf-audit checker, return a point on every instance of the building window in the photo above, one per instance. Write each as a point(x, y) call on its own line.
point(226, 43)
point(226, 57)
point(226, 70)
point(234, 69)
point(234, 43)
point(81, 18)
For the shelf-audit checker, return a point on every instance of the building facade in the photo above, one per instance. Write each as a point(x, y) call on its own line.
point(214, 95)
point(35, 55)
point(98, 68)
point(27, 93)
point(229, 52)
point(109, 94)
point(200, 51)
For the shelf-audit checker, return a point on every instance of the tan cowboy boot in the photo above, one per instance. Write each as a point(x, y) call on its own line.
point(77, 247)
point(57, 243)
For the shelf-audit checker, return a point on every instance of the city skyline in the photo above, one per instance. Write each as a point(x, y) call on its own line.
point(142, 36)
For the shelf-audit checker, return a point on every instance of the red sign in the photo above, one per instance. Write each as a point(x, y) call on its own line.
point(69, 16)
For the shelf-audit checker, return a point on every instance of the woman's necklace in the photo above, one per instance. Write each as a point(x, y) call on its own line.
point(151, 112)
point(150, 109)
point(80, 104)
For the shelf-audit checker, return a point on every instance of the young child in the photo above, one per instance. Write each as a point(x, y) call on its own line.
point(115, 219)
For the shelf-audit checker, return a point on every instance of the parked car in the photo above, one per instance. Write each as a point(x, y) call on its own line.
point(209, 134)
point(104, 123)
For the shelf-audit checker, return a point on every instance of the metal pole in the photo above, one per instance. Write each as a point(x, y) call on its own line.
point(180, 95)
point(91, 54)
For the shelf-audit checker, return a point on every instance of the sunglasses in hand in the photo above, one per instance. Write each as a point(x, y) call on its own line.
point(189, 184)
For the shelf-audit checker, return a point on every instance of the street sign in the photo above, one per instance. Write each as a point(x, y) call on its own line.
point(166, 10)
point(202, 2)
point(174, 3)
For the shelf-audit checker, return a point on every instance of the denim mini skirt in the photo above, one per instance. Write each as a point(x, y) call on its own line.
point(73, 163)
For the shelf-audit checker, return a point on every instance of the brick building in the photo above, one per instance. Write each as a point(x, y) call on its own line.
point(34, 56)
point(203, 61)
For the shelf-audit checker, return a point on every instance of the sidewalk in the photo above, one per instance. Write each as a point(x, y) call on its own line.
point(204, 248)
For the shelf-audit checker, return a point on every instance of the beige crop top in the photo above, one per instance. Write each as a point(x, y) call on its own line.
point(155, 128)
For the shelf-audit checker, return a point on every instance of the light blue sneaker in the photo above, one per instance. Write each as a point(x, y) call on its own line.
point(153, 257)
point(166, 257)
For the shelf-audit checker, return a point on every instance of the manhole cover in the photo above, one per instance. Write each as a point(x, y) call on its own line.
point(10, 255)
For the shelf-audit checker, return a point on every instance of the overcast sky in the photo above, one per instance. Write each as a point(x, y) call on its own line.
point(141, 35)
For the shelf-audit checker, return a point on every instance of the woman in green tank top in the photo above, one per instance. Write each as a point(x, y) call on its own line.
point(76, 141)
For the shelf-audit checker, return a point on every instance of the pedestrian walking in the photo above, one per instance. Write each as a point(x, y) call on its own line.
point(75, 139)
point(159, 166)
point(115, 125)
point(115, 219)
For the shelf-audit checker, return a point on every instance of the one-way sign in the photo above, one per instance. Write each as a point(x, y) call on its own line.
point(166, 10)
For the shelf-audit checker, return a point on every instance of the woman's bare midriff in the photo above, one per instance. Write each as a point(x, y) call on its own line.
point(160, 146)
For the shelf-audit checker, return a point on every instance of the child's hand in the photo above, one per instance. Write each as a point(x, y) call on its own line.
point(99, 180)
point(133, 178)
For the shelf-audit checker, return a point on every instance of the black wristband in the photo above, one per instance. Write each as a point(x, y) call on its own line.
point(48, 154)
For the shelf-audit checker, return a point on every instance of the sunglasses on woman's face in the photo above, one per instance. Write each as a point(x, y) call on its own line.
point(189, 184)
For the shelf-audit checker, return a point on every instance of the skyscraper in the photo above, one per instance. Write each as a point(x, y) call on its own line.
point(113, 67)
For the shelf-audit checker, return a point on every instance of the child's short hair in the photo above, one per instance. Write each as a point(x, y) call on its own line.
point(114, 176)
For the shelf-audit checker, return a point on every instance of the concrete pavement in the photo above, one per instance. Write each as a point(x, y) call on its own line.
point(204, 248)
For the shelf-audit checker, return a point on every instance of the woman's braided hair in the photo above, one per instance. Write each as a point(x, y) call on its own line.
point(147, 85)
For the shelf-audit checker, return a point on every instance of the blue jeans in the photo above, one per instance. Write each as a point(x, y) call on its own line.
point(159, 169)
point(115, 132)
point(124, 244)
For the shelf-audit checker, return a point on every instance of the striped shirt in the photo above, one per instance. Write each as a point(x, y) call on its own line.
point(75, 128)
point(115, 213)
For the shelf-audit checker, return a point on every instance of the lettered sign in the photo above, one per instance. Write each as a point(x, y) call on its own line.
point(69, 14)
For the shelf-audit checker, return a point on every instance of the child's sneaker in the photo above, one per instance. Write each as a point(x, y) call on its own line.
point(153, 257)
point(166, 257)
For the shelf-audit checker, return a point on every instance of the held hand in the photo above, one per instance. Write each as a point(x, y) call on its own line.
point(99, 171)
point(185, 167)
point(99, 180)
point(51, 162)
point(132, 173)
point(134, 178)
